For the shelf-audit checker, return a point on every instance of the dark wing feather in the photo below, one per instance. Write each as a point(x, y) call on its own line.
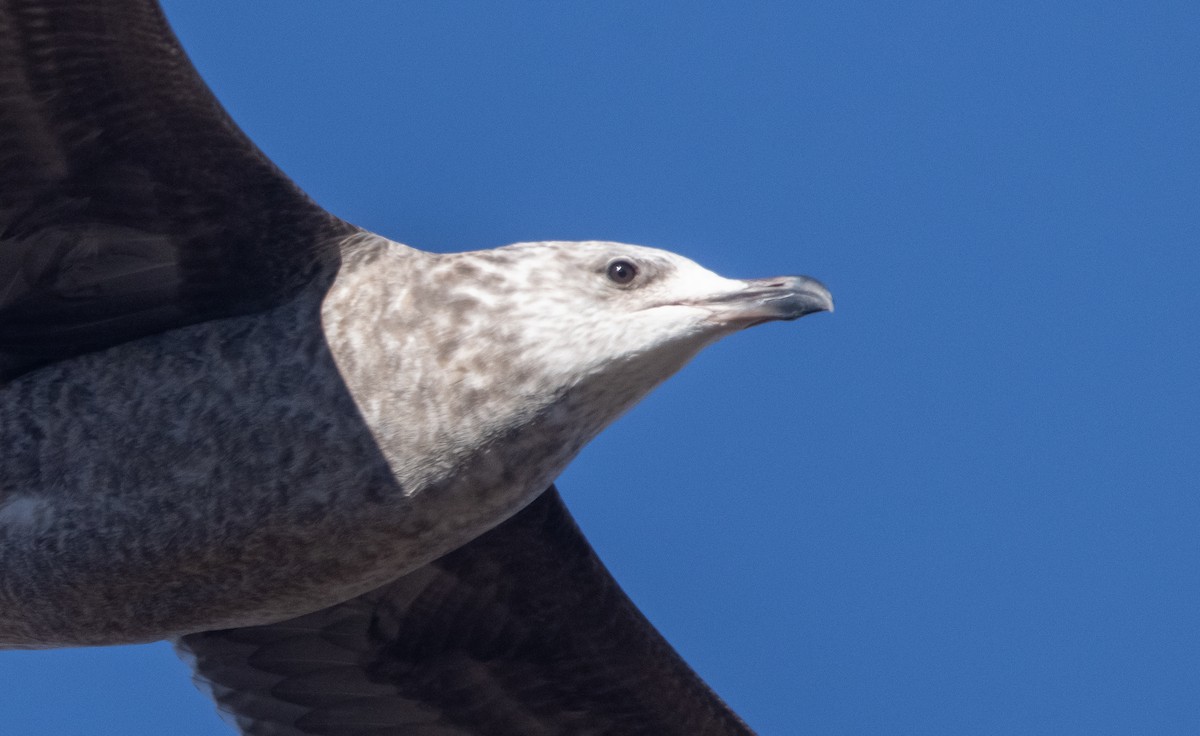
point(129, 202)
point(519, 633)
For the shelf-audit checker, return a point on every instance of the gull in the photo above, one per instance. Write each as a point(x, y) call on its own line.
point(319, 461)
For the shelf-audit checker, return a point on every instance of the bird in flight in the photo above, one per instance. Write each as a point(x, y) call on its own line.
point(319, 461)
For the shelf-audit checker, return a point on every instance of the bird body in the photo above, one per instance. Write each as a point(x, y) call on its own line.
point(318, 460)
point(254, 468)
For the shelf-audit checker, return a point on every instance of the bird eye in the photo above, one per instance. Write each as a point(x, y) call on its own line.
point(622, 271)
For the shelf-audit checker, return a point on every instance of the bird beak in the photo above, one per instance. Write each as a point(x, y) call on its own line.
point(765, 300)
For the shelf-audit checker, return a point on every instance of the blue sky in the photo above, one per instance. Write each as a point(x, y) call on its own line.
point(967, 502)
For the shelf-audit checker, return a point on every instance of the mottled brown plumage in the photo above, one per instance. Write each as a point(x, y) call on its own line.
point(222, 407)
point(522, 629)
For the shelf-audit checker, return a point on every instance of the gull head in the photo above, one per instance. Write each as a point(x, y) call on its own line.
point(609, 320)
point(487, 371)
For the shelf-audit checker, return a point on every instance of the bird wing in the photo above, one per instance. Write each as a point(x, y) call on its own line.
point(130, 203)
point(522, 632)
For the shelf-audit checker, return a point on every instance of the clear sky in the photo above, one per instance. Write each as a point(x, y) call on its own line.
point(967, 502)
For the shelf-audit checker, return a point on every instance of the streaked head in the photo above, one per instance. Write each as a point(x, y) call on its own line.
point(620, 316)
point(508, 361)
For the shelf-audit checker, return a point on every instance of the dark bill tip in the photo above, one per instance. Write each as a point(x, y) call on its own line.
point(787, 297)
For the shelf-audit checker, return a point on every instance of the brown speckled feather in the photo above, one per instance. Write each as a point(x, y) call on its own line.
point(332, 425)
point(129, 202)
point(520, 633)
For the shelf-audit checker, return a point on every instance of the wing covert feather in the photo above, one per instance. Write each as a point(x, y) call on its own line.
point(130, 203)
point(521, 632)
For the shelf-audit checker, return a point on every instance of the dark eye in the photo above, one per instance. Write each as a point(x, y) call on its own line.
point(622, 271)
